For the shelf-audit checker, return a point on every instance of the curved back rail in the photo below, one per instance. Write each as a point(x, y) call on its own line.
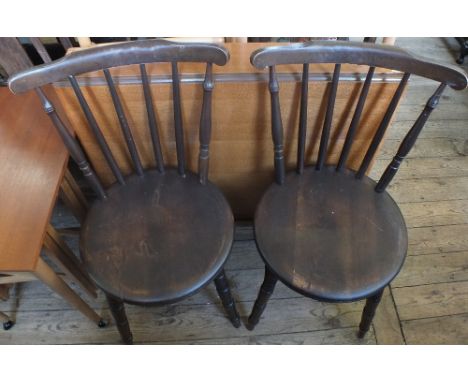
point(120, 54)
point(343, 52)
point(128, 53)
point(338, 53)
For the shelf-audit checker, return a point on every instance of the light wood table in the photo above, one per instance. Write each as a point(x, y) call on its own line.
point(33, 169)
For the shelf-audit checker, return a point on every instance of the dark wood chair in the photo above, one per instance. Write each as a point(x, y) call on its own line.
point(159, 234)
point(327, 232)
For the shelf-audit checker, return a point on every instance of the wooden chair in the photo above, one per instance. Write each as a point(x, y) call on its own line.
point(160, 234)
point(327, 232)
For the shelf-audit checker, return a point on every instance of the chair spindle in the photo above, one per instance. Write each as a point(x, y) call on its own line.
point(152, 120)
point(328, 119)
point(356, 119)
point(123, 123)
point(75, 150)
point(96, 130)
point(276, 127)
point(409, 140)
point(40, 48)
point(303, 118)
point(179, 133)
point(66, 43)
point(379, 134)
point(205, 125)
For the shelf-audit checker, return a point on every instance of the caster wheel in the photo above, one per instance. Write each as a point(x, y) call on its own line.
point(102, 324)
point(8, 325)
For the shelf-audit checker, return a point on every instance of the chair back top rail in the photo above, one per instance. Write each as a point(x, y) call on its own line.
point(340, 52)
point(114, 55)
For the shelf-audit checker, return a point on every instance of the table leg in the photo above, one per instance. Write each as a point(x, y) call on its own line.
point(44, 273)
point(65, 259)
point(72, 196)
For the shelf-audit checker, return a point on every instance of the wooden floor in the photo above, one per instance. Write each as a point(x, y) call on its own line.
point(426, 304)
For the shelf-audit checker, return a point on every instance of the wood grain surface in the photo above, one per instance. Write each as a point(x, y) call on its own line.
point(330, 236)
point(158, 238)
point(32, 162)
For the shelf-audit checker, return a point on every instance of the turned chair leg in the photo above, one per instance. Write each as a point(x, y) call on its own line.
point(368, 313)
point(118, 312)
point(264, 295)
point(224, 293)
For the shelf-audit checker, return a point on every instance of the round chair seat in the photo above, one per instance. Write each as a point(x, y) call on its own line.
point(158, 238)
point(330, 236)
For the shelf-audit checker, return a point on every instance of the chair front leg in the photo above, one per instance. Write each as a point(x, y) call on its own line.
point(368, 313)
point(224, 293)
point(266, 290)
point(118, 312)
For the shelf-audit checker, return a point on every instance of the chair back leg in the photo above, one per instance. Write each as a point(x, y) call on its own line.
point(118, 312)
point(368, 313)
point(264, 295)
point(225, 295)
